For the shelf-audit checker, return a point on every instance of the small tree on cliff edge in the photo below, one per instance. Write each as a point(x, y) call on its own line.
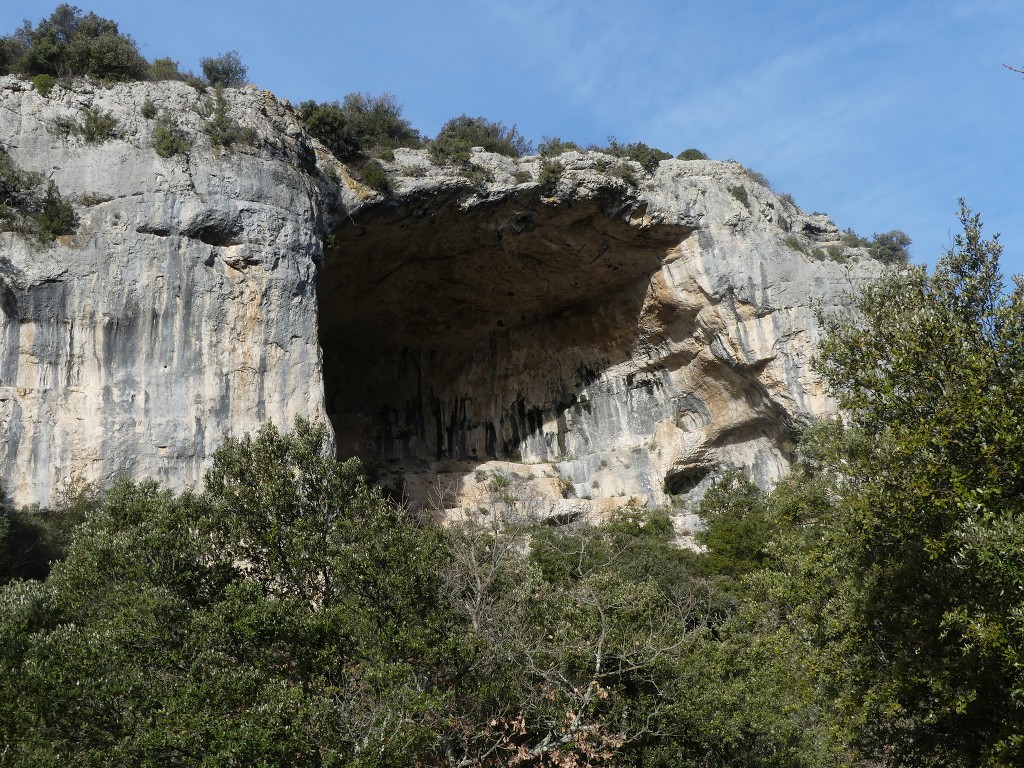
point(226, 70)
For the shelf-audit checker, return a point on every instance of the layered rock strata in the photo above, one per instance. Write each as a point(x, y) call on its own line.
point(578, 327)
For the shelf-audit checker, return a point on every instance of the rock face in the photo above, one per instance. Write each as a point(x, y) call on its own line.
point(606, 335)
point(182, 310)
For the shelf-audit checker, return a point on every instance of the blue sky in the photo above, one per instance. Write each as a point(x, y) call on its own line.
point(881, 114)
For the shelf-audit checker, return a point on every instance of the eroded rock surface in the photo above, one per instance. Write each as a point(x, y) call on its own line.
point(182, 310)
point(599, 341)
point(604, 336)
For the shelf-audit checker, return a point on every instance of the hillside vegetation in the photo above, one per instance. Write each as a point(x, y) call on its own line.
point(866, 611)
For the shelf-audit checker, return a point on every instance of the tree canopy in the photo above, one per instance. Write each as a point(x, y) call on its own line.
point(933, 525)
point(71, 43)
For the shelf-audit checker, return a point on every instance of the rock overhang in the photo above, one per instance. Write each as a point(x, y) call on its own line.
point(611, 334)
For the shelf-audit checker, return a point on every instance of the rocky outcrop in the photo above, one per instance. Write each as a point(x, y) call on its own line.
point(182, 310)
point(591, 331)
point(600, 341)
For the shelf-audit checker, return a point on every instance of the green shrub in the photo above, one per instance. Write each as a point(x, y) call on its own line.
point(740, 193)
point(552, 146)
point(788, 199)
point(70, 44)
point(648, 157)
point(374, 175)
point(737, 527)
point(460, 134)
point(836, 252)
point(625, 172)
point(794, 242)
point(148, 110)
point(414, 171)
point(691, 154)
point(14, 183)
point(522, 176)
point(851, 239)
point(225, 70)
point(550, 172)
point(43, 84)
point(169, 140)
point(55, 217)
point(891, 247)
point(476, 174)
point(224, 130)
point(361, 126)
point(164, 69)
point(97, 126)
point(30, 207)
point(758, 178)
point(64, 127)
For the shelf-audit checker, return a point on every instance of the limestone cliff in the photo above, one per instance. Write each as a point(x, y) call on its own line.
point(607, 334)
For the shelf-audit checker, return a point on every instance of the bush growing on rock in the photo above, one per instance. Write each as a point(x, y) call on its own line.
point(739, 192)
point(758, 178)
point(552, 146)
point(361, 126)
point(97, 126)
point(70, 44)
point(625, 172)
point(29, 206)
point(224, 130)
point(168, 139)
point(691, 154)
point(225, 70)
point(376, 177)
point(550, 172)
point(891, 247)
point(460, 134)
point(43, 84)
point(648, 157)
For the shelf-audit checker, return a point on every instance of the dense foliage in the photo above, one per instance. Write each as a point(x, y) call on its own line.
point(361, 126)
point(648, 157)
point(225, 70)
point(460, 134)
point(72, 44)
point(933, 524)
point(292, 615)
point(32, 205)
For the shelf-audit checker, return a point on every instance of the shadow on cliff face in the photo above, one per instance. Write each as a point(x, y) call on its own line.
point(468, 332)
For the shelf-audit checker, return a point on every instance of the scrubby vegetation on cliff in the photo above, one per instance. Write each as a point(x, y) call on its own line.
point(31, 204)
point(70, 43)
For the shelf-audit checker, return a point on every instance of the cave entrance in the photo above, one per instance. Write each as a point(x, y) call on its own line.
point(457, 329)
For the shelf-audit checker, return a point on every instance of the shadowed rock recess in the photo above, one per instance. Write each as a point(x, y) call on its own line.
point(610, 335)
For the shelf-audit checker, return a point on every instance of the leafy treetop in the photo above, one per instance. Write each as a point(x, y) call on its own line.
point(460, 134)
point(226, 70)
point(360, 126)
point(70, 43)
